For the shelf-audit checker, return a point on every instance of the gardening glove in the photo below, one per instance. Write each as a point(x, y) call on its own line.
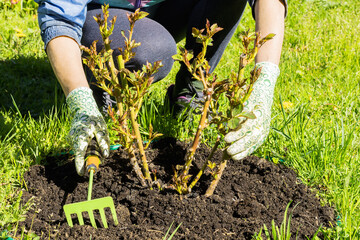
point(87, 123)
point(253, 132)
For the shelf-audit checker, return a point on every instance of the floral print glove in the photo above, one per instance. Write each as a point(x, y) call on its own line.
point(253, 132)
point(87, 123)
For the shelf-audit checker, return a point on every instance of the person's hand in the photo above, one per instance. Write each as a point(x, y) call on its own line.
point(86, 124)
point(253, 132)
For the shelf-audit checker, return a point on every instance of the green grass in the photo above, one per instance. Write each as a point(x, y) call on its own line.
point(318, 136)
point(283, 232)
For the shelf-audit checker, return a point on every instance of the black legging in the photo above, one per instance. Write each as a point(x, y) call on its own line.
point(168, 23)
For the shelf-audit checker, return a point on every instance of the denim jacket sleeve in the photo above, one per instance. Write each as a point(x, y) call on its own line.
point(252, 5)
point(61, 18)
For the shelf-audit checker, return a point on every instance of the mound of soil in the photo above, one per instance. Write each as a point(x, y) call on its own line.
point(251, 193)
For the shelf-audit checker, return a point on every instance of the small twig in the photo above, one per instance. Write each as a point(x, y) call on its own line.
point(153, 230)
point(198, 176)
point(215, 182)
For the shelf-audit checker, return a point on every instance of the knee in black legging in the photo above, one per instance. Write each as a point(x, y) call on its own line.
point(156, 42)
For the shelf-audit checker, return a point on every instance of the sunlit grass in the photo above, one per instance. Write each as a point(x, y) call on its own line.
point(25, 141)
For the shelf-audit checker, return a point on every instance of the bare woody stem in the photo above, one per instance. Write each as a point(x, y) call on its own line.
point(190, 154)
point(131, 31)
point(135, 126)
point(200, 173)
point(113, 70)
point(242, 65)
point(135, 165)
point(120, 105)
point(202, 125)
point(110, 62)
point(215, 182)
point(202, 77)
point(129, 148)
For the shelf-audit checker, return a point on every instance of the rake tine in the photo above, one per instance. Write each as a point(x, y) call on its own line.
point(103, 217)
point(68, 217)
point(92, 219)
point(110, 205)
point(80, 217)
point(114, 216)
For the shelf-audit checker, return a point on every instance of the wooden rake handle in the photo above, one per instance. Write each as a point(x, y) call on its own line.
point(93, 156)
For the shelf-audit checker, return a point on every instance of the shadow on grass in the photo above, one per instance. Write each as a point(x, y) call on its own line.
point(30, 82)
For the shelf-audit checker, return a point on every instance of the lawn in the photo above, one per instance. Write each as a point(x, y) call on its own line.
point(315, 126)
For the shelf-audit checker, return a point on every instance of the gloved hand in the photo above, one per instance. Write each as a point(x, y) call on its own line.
point(87, 123)
point(253, 132)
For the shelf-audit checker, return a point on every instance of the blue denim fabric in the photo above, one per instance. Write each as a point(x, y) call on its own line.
point(60, 29)
point(61, 18)
point(66, 18)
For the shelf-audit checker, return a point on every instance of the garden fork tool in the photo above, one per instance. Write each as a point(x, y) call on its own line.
point(92, 165)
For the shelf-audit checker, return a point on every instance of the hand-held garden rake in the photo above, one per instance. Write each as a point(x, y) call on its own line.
point(92, 165)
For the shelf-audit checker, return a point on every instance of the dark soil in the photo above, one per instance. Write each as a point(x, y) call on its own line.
point(251, 193)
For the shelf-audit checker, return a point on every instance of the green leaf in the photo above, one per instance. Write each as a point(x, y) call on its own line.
point(267, 38)
point(249, 115)
point(234, 123)
point(211, 165)
point(215, 28)
point(237, 110)
point(142, 15)
point(196, 32)
point(177, 57)
point(199, 40)
point(228, 113)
